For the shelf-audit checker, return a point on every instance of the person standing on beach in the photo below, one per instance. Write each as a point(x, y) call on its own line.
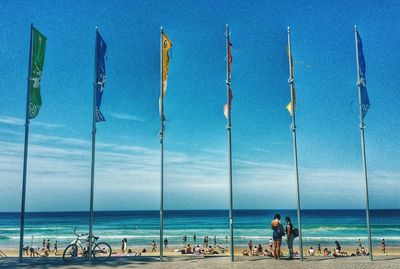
point(319, 249)
point(215, 240)
point(55, 247)
point(124, 245)
point(153, 247)
point(165, 243)
point(205, 241)
point(48, 245)
point(44, 245)
point(289, 236)
point(250, 244)
point(278, 232)
point(194, 238)
point(359, 243)
point(383, 249)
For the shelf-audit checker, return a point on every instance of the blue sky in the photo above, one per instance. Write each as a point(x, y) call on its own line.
point(127, 152)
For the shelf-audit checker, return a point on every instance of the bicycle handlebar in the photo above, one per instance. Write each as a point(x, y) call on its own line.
point(80, 234)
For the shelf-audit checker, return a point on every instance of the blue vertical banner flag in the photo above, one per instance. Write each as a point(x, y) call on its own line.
point(361, 79)
point(101, 50)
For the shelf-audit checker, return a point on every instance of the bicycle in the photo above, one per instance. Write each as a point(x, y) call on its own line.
point(100, 251)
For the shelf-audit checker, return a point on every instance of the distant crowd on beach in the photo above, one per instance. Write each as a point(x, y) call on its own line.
point(289, 233)
point(207, 248)
point(43, 251)
point(360, 250)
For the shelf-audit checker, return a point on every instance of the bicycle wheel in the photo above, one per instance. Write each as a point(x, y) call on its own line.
point(101, 251)
point(70, 253)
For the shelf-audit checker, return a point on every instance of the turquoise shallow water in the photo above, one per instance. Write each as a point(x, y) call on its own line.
point(141, 227)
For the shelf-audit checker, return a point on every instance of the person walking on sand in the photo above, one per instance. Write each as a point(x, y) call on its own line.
point(55, 247)
point(194, 238)
point(153, 247)
point(215, 240)
point(277, 234)
point(289, 236)
point(165, 243)
point(359, 243)
point(383, 249)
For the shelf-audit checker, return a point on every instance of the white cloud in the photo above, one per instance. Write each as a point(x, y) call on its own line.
point(61, 169)
point(20, 122)
point(123, 116)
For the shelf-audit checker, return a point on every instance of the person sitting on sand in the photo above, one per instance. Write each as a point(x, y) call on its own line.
point(197, 250)
point(259, 249)
point(189, 249)
point(357, 252)
point(254, 251)
point(338, 247)
point(326, 252)
point(338, 253)
point(311, 251)
point(210, 250)
point(245, 252)
point(221, 248)
point(363, 252)
point(270, 242)
point(131, 253)
point(266, 253)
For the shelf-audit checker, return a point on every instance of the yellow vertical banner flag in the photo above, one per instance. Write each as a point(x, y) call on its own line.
point(166, 46)
point(291, 107)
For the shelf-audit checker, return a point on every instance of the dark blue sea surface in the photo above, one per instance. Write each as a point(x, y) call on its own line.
point(141, 227)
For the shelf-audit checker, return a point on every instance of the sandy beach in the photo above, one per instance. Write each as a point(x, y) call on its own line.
point(174, 259)
point(182, 262)
point(173, 251)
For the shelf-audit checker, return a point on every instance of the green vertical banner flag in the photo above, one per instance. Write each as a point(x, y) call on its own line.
point(38, 50)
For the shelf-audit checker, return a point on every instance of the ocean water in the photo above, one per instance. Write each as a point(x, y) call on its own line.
point(141, 227)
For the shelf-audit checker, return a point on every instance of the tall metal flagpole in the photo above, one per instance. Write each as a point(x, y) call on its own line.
point(293, 127)
point(362, 126)
point(162, 147)
point(93, 150)
point(22, 225)
point(229, 127)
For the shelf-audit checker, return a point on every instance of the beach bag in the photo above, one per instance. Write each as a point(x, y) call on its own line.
point(281, 232)
point(295, 232)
